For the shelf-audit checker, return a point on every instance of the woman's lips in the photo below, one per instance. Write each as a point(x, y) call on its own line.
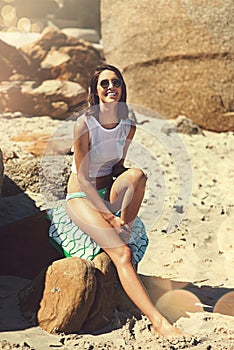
point(111, 94)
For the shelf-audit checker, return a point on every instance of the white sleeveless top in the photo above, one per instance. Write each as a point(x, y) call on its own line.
point(106, 146)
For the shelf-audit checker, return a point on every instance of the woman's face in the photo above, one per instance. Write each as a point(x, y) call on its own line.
point(109, 87)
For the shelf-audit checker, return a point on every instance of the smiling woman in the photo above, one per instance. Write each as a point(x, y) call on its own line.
point(103, 196)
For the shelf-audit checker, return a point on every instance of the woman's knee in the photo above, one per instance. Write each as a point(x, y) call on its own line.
point(121, 255)
point(137, 176)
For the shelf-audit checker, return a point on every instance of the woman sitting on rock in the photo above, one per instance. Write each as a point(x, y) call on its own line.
point(103, 196)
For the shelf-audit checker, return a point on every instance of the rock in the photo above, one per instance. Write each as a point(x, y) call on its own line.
point(69, 291)
point(185, 125)
point(51, 97)
point(45, 176)
point(21, 175)
point(47, 77)
point(58, 56)
point(54, 59)
point(12, 60)
point(84, 58)
point(58, 95)
point(187, 70)
point(38, 50)
point(1, 171)
point(102, 310)
point(14, 96)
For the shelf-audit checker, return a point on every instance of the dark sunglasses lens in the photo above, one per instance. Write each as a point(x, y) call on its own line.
point(117, 82)
point(104, 83)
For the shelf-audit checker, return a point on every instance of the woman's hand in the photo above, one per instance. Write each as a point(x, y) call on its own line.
point(123, 229)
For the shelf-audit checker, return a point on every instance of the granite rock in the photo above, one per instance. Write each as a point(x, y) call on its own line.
point(60, 297)
point(104, 305)
point(181, 62)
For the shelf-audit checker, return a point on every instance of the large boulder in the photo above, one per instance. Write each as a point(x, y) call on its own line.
point(104, 305)
point(69, 292)
point(51, 97)
point(176, 56)
point(60, 297)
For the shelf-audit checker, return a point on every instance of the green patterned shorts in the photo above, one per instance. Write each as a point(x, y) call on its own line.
point(68, 238)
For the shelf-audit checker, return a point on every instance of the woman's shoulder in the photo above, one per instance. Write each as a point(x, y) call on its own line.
point(129, 124)
point(81, 124)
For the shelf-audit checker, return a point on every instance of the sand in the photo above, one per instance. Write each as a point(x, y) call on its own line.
point(188, 211)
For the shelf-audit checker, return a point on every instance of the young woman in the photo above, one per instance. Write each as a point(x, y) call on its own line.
point(103, 196)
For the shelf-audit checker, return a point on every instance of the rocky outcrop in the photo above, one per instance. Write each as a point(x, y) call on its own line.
point(56, 55)
point(13, 61)
point(104, 305)
point(177, 57)
point(72, 294)
point(47, 77)
point(51, 97)
point(32, 174)
point(68, 289)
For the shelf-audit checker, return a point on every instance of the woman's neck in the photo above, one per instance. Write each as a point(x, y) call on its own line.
point(107, 115)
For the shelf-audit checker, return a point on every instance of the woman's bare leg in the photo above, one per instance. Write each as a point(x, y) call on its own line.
point(127, 193)
point(106, 237)
point(131, 283)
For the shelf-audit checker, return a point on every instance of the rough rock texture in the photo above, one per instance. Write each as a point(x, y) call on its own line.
point(74, 294)
point(186, 126)
point(51, 97)
point(32, 174)
point(177, 57)
point(58, 56)
point(69, 291)
point(47, 77)
point(102, 310)
point(13, 61)
point(1, 171)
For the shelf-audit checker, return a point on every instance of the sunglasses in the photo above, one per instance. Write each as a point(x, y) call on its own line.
point(115, 82)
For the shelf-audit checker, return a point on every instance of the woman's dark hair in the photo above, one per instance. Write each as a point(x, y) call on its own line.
point(93, 98)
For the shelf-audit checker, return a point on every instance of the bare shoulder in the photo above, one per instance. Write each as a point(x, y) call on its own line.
point(80, 127)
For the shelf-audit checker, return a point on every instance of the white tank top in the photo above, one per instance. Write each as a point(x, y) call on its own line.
point(106, 146)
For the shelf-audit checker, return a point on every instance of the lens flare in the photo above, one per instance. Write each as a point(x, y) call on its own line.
point(37, 27)
point(225, 305)
point(24, 25)
point(8, 12)
point(177, 303)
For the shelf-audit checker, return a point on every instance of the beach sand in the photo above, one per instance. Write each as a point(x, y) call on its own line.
point(188, 212)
